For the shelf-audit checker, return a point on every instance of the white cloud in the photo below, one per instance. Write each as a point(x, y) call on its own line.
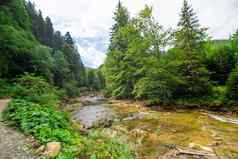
point(93, 18)
point(92, 57)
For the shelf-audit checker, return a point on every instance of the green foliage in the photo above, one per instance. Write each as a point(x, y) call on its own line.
point(189, 39)
point(14, 14)
point(47, 124)
point(195, 76)
point(140, 68)
point(219, 96)
point(75, 65)
point(99, 146)
point(158, 86)
point(5, 88)
point(43, 62)
point(138, 43)
point(234, 42)
point(232, 85)
point(42, 121)
point(30, 44)
point(220, 62)
point(94, 79)
point(15, 38)
point(19, 13)
point(71, 88)
point(189, 36)
point(36, 89)
point(69, 152)
point(60, 69)
point(121, 17)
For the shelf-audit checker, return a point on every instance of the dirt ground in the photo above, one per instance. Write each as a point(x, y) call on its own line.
point(13, 144)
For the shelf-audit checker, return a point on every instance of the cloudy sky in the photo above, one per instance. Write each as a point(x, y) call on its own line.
point(89, 21)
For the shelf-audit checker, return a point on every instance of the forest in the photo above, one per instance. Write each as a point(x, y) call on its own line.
point(182, 66)
point(161, 92)
point(29, 44)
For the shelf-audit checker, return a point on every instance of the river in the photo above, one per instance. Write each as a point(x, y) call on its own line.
point(162, 134)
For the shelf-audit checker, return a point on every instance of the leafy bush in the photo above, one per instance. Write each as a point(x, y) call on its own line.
point(43, 61)
point(232, 85)
point(36, 89)
point(99, 146)
point(221, 61)
point(42, 121)
point(158, 87)
point(219, 95)
point(71, 89)
point(5, 88)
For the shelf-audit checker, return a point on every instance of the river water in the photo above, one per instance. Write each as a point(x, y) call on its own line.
point(97, 113)
point(152, 133)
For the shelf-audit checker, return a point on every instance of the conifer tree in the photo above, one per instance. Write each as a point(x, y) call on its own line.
point(121, 17)
point(68, 39)
point(58, 41)
point(49, 32)
point(189, 40)
point(117, 48)
point(190, 35)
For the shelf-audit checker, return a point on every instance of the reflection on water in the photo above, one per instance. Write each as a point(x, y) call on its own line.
point(96, 113)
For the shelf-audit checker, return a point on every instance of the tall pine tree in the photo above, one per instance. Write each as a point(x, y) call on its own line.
point(190, 36)
point(189, 40)
point(117, 48)
point(121, 17)
point(68, 39)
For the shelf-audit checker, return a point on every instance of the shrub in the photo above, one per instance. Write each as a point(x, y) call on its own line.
point(232, 85)
point(42, 121)
point(36, 89)
point(221, 61)
point(158, 87)
point(5, 88)
point(219, 95)
point(99, 146)
point(43, 61)
point(71, 89)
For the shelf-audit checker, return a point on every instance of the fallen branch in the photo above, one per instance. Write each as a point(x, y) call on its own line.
point(195, 152)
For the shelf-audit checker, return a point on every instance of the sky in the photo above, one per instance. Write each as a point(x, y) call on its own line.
point(89, 21)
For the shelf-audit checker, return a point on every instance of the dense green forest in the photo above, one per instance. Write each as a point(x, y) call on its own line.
point(168, 66)
point(29, 44)
point(145, 61)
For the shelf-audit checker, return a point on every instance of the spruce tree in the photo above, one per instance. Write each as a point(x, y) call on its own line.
point(117, 49)
point(49, 32)
point(58, 41)
point(189, 40)
point(121, 17)
point(190, 35)
point(68, 39)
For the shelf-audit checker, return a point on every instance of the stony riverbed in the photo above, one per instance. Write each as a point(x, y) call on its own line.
point(161, 134)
